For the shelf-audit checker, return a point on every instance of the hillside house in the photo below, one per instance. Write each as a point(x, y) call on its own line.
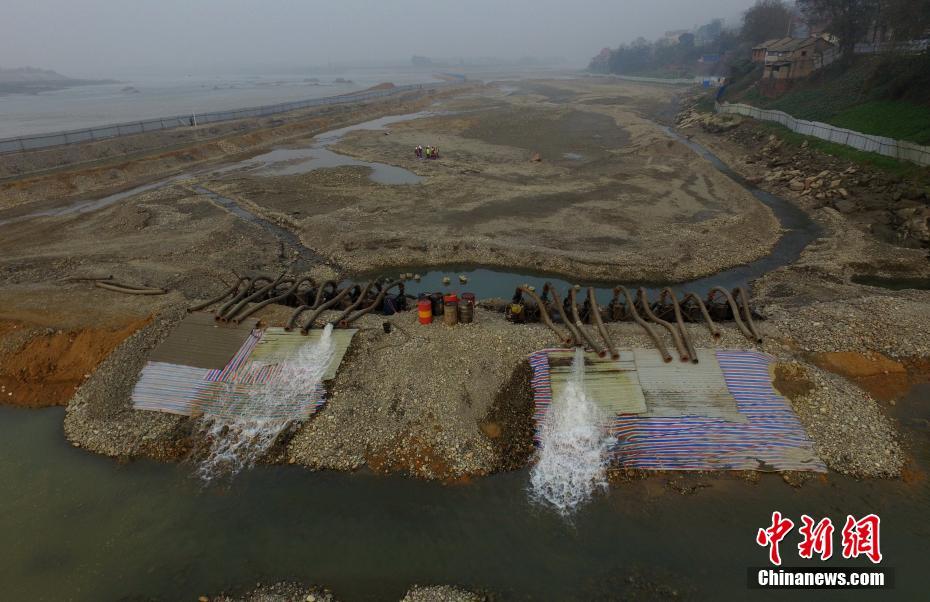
point(788, 59)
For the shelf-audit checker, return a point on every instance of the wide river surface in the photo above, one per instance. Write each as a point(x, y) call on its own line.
point(77, 526)
point(136, 98)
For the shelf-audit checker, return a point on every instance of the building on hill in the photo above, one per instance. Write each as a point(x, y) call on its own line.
point(786, 60)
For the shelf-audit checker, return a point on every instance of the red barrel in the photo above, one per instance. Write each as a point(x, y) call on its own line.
point(425, 311)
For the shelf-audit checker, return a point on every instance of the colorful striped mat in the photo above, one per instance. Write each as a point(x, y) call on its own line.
point(240, 390)
point(772, 439)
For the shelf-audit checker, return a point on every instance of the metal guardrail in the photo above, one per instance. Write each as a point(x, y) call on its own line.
point(889, 147)
point(104, 132)
point(708, 81)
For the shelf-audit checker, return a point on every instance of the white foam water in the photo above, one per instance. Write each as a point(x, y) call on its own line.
point(574, 447)
point(243, 431)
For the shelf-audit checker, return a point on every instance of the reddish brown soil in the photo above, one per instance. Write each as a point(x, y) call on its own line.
point(412, 456)
point(48, 367)
point(792, 381)
point(882, 377)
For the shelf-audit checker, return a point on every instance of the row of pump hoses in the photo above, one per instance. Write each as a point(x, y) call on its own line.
point(248, 295)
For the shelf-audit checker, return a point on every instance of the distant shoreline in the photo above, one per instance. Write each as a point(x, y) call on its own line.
point(36, 87)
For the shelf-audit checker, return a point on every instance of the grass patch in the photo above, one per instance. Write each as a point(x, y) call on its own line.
point(895, 119)
point(705, 104)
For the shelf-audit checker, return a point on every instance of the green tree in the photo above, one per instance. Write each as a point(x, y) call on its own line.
point(848, 20)
point(766, 20)
point(905, 19)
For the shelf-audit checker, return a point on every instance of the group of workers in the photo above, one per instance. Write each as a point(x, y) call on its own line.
point(430, 152)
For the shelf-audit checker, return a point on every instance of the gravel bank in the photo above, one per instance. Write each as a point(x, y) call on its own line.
point(100, 417)
point(422, 399)
point(277, 592)
point(441, 593)
point(295, 592)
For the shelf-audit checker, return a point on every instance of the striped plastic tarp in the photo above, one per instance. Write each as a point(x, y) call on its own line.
point(186, 391)
point(242, 389)
point(771, 439)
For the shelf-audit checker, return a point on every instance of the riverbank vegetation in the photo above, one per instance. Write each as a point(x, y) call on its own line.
point(880, 84)
point(881, 95)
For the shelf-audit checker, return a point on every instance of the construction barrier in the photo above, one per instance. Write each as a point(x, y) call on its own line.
point(706, 81)
point(870, 143)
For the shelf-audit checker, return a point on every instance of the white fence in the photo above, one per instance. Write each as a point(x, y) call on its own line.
point(39, 141)
point(889, 147)
point(708, 81)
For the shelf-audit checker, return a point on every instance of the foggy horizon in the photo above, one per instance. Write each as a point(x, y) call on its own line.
point(101, 38)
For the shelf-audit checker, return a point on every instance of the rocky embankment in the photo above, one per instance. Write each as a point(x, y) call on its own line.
point(846, 350)
point(894, 208)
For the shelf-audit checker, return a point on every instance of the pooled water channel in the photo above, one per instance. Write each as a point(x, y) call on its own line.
point(291, 161)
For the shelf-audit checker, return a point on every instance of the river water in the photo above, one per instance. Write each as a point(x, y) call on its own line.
point(137, 97)
point(81, 527)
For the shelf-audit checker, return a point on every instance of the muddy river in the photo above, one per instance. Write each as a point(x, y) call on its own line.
point(81, 527)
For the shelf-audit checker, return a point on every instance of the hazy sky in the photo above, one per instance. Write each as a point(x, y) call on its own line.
point(100, 37)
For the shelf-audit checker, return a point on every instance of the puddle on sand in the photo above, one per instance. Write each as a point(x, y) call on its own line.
point(895, 284)
point(291, 161)
point(573, 156)
point(282, 234)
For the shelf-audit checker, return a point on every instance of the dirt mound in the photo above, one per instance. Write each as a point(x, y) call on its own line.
point(792, 380)
point(49, 366)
